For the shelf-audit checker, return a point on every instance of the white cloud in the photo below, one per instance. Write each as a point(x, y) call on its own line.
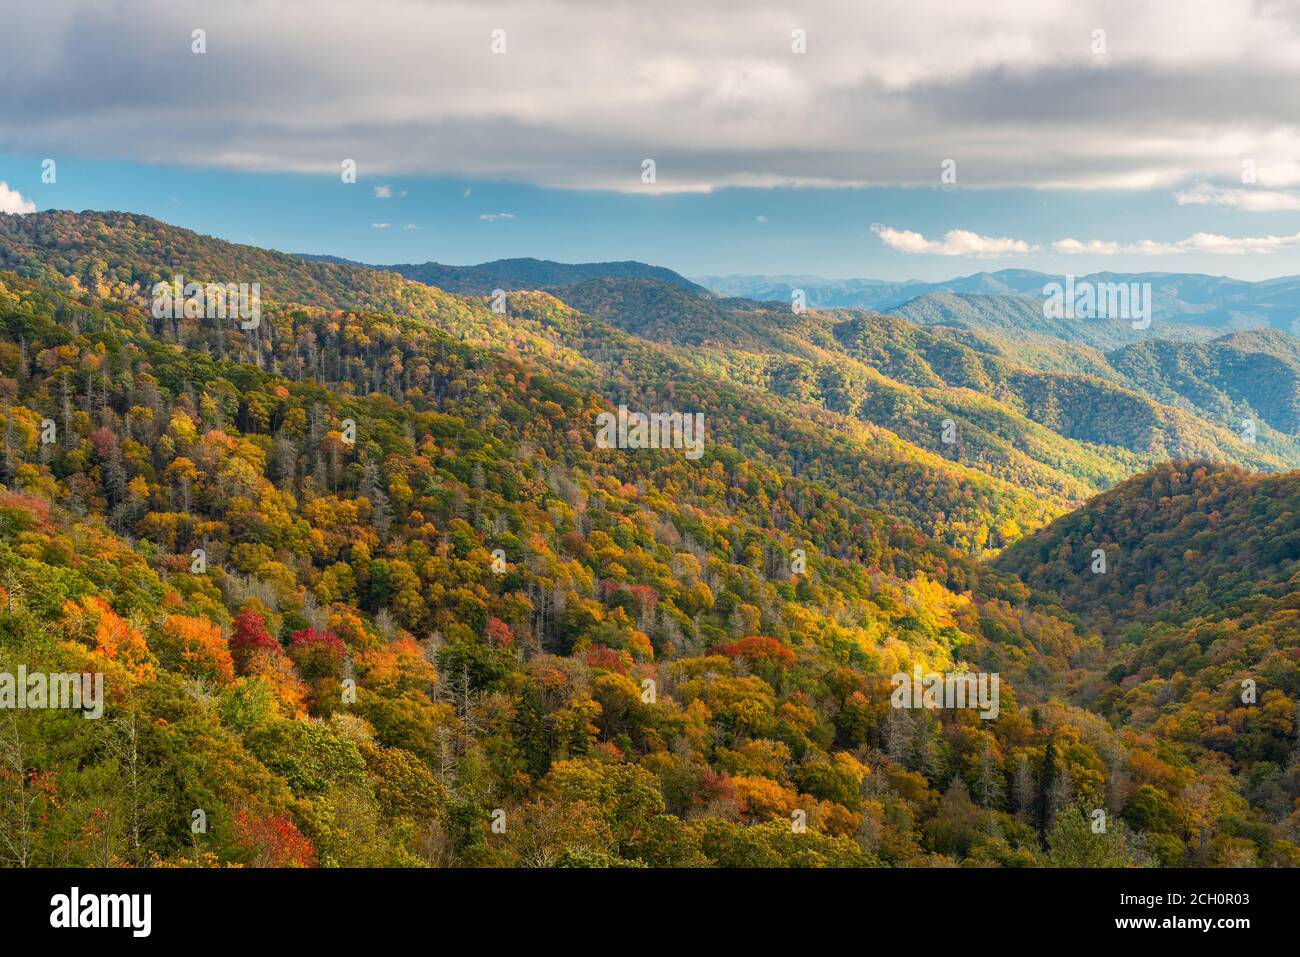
point(493, 217)
point(11, 201)
point(962, 242)
point(1096, 247)
point(1197, 242)
point(1250, 200)
point(1276, 175)
point(1211, 243)
point(383, 192)
point(956, 242)
point(380, 225)
point(1191, 87)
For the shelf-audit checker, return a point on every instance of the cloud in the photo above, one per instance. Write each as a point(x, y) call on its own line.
point(380, 225)
point(1197, 242)
point(493, 217)
point(760, 218)
point(383, 192)
point(1095, 247)
point(1250, 200)
point(11, 201)
point(1211, 243)
point(1188, 89)
point(962, 242)
point(956, 242)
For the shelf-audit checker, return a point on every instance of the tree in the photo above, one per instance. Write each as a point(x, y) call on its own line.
point(988, 779)
point(1072, 842)
point(955, 826)
point(249, 637)
point(271, 840)
point(195, 648)
point(1047, 788)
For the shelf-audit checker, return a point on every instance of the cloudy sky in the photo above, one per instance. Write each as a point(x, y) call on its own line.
point(920, 138)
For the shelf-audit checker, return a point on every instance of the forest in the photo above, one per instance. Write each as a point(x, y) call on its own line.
point(366, 590)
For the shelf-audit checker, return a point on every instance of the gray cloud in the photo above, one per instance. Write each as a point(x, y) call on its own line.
point(1012, 91)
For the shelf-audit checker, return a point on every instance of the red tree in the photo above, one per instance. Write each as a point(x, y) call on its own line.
point(249, 636)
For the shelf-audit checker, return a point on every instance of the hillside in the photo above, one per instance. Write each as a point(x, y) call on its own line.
point(1199, 604)
point(1025, 449)
point(482, 683)
point(661, 312)
point(949, 499)
point(1182, 542)
point(1063, 434)
point(513, 274)
point(1253, 374)
point(1016, 314)
point(364, 584)
point(122, 255)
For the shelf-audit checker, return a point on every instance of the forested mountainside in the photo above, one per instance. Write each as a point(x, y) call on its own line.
point(365, 589)
point(952, 500)
point(1194, 302)
point(1017, 314)
point(1199, 606)
point(513, 275)
point(1183, 542)
point(516, 274)
point(1065, 434)
point(1253, 374)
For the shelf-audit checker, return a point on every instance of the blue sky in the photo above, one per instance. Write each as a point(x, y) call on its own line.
point(772, 230)
point(806, 139)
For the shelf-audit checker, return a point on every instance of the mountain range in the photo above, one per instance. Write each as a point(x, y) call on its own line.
point(365, 581)
point(513, 274)
point(1217, 302)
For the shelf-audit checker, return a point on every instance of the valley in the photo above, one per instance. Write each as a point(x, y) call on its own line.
point(432, 598)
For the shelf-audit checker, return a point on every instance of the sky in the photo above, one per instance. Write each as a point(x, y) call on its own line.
point(922, 139)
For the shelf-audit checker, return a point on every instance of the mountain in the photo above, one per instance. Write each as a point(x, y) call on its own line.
point(234, 525)
point(819, 292)
point(671, 314)
point(121, 256)
point(114, 255)
point(1197, 606)
point(1183, 298)
point(1252, 375)
point(1008, 462)
point(1229, 379)
point(1064, 434)
point(1015, 314)
point(873, 294)
point(364, 581)
point(1182, 542)
point(514, 274)
point(95, 248)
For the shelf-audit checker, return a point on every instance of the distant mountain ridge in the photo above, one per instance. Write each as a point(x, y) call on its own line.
point(1216, 301)
point(1060, 419)
point(516, 274)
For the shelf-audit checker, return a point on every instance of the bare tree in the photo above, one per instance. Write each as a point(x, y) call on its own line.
point(18, 797)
